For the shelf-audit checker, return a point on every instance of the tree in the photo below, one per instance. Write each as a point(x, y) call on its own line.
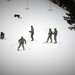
point(71, 15)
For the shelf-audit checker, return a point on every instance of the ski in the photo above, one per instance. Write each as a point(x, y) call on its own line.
point(44, 42)
point(50, 42)
point(33, 41)
point(20, 50)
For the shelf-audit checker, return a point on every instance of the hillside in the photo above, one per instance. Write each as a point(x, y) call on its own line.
point(42, 58)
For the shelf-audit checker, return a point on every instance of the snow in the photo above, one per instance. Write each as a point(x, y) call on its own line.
point(42, 58)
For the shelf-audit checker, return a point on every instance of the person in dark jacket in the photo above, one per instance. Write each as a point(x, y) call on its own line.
point(49, 35)
point(21, 43)
point(55, 35)
point(2, 35)
point(32, 33)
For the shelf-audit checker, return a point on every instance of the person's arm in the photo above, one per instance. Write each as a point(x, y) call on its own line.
point(30, 31)
point(25, 41)
point(52, 32)
point(19, 40)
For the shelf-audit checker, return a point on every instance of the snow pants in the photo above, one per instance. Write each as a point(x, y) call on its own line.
point(21, 44)
point(49, 37)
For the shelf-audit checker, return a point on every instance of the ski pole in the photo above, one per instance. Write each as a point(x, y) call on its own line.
point(28, 46)
point(14, 44)
point(28, 37)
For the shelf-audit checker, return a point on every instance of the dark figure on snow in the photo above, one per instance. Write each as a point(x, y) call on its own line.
point(32, 33)
point(55, 35)
point(18, 16)
point(2, 35)
point(49, 35)
point(21, 42)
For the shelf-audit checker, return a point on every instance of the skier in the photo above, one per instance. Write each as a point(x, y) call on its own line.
point(21, 42)
point(32, 33)
point(2, 35)
point(55, 35)
point(49, 35)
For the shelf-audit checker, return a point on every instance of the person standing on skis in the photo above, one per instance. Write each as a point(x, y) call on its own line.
point(21, 43)
point(49, 36)
point(55, 35)
point(32, 33)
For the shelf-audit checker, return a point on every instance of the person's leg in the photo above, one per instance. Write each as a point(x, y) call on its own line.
point(55, 38)
point(51, 39)
point(19, 46)
point(3, 36)
point(47, 39)
point(32, 37)
point(23, 46)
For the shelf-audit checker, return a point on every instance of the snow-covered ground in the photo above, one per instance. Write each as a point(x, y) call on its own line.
point(42, 59)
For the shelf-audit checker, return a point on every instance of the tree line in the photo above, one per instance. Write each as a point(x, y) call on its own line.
point(68, 5)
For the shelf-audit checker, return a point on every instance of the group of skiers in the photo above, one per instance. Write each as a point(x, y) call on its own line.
point(22, 41)
point(50, 33)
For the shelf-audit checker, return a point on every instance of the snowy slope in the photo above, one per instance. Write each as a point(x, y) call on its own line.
point(42, 59)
